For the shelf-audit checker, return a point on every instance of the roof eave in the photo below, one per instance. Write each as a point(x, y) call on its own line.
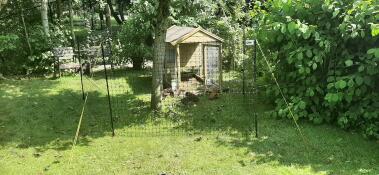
point(184, 37)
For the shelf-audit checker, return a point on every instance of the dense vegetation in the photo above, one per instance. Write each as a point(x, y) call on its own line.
point(327, 55)
point(324, 53)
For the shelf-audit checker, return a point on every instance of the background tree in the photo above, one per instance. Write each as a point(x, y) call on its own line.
point(136, 41)
point(44, 17)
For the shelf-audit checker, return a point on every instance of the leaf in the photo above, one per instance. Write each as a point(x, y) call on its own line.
point(307, 34)
point(371, 51)
point(341, 84)
point(314, 66)
point(334, 97)
point(284, 28)
point(374, 29)
point(361, 68)
point(367, 80)
point(374, 51)
point(359, 80)
point(348, 63)
point(335, 13)
point(292, 26)
point(311, 93)
point(350, 83)
point(309, 53)
point(302, 105)
point(300, 56)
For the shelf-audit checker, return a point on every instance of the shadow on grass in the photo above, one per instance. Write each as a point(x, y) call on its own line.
point(44, 114)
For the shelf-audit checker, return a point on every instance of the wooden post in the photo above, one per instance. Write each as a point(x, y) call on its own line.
point(205, 64)
point(201, 62)
point(220, 66)
point(177, 65)
point(71, 15)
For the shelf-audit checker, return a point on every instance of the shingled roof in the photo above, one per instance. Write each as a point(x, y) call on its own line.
point(176, 34)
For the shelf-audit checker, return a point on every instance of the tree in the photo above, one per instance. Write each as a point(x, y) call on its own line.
point(72, 23)
point(114, 14)
point(135, 38)
point(162, 15)
point(44, 17)
point(121, 7)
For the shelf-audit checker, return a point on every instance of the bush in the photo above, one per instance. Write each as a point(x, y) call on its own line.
point(326, 58)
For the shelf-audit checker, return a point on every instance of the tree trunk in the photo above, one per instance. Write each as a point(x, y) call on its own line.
point(44, 17)
point(118, 20)
point(26, 30)
point(159, 53)
point(108, 21)
point(121, 7)
point(137, 64)
point(59, 9)
point(72, 23)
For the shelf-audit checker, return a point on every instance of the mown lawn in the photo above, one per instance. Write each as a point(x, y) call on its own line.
point(38, 120)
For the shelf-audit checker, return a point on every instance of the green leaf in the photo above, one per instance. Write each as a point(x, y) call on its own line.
point(341, 84)
point(334, 97)
point(309, 53)
point(374, 29)
point(307, 70)
point(302, 105)
point(361, 68)
point(359, 80)
point(307, 34)
point(367, 80)
point(371, 51)
point(300, 56)
point(374, 51)
point(335, 13)
point(292, 26)
point(348, 63)
point(350, 83)
point(311, 93)
point(283, 28)
point(314, 66)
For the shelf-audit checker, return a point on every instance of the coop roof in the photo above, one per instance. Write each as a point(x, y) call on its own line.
point(177, 34)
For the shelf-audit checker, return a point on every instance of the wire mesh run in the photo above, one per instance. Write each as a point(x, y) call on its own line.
point(199, 95)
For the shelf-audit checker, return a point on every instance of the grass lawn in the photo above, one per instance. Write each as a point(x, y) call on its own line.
point(38, 120)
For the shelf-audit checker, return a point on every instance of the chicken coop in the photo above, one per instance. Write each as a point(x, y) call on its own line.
point(192, 60)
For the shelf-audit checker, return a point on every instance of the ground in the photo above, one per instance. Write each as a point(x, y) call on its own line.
point(39, 118)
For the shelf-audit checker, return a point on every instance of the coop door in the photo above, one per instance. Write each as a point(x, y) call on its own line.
point(212, 65)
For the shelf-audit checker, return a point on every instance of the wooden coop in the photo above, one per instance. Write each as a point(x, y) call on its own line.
point(193, 60)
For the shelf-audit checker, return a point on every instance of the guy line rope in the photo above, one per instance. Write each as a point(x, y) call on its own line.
point(282, 94)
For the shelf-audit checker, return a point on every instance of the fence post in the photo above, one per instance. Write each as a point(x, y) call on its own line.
point(243, 60)
point(106, 80)
point(81, 70)
point(255, 85)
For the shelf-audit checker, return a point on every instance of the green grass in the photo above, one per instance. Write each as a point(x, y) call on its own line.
point(38, 120)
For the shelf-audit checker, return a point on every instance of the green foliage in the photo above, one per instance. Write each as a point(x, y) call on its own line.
point(327, 59)
point(136, 41)
point(8, 42)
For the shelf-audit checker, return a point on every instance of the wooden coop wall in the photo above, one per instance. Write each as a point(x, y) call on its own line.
point(190, 56)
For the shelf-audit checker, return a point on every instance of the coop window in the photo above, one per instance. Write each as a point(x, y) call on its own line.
point(170, 55)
